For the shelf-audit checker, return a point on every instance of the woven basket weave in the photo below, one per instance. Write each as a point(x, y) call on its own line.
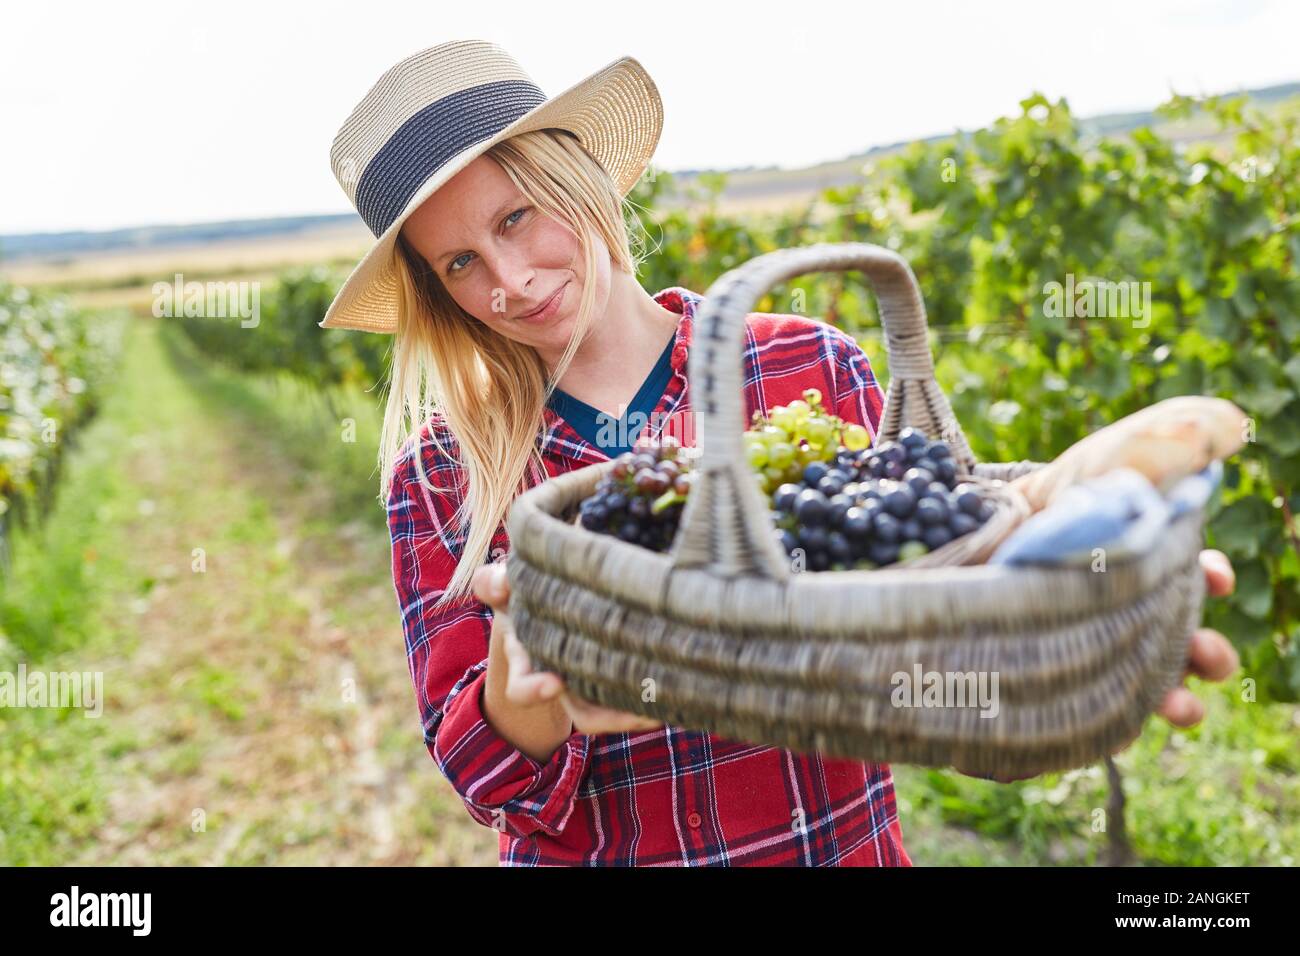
point(721, 634)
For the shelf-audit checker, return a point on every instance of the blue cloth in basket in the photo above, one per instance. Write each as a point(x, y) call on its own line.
point(1120, 511)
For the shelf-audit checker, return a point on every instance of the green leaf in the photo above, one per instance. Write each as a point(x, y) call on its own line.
point(1292, 369)
point(1265, 401)
point(1282, 434)
point(1254, 590)
point(1239, 527)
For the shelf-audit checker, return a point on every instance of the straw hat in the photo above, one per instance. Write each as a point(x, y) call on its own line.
point(431, 114)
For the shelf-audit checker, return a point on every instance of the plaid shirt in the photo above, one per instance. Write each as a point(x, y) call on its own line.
point(668, 797)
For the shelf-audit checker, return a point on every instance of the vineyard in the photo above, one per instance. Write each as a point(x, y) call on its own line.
point(991, 223)
point(189, 504)
point(57, 360)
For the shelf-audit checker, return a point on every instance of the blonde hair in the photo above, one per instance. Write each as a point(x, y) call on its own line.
point(491, 390)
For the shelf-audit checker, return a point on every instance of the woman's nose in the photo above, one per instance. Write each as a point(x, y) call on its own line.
point(514, 278)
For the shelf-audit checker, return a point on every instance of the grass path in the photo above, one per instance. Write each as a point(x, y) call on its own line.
point(258, 707)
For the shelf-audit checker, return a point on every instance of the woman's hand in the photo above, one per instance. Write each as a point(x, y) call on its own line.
point(526, 687)
point(1209, 656)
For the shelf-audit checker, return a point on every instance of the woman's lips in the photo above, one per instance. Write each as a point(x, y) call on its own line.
point(549, 308)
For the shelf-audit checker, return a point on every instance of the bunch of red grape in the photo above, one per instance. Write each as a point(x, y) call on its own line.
point(641, 498)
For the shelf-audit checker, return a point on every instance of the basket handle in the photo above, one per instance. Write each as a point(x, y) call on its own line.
point(725, 524)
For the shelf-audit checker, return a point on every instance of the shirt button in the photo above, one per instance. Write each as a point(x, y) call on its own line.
point(693, 821)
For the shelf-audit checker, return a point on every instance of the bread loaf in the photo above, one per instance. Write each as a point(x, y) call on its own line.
point(1165, 442)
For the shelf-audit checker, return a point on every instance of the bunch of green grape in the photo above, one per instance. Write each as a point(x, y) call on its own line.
point(780, 446)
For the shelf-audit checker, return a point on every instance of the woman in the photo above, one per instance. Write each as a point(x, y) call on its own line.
point(506, 272)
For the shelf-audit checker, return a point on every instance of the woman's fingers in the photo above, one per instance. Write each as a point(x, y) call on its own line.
point(1210, 655)
point(1182, 708)
point(589, 718)
point(524, 686)
point(491, 585)
point(1220, 579)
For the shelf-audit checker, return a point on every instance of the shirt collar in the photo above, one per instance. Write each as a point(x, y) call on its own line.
point(559, 438)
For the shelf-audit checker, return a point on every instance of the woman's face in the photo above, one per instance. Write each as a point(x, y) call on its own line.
point(500, 257)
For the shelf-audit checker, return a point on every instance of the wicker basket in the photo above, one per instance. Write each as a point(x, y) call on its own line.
point(720, 634)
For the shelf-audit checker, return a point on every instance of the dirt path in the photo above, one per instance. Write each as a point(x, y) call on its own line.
point(264, 713)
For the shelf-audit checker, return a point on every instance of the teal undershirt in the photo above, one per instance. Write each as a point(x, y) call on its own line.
point(589, 422)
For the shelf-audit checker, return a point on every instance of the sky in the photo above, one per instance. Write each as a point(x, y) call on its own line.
point(144, 113)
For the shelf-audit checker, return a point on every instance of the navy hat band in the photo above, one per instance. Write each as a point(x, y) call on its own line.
point(433, 137)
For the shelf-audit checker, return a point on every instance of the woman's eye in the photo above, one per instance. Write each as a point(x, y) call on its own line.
point(509, 220)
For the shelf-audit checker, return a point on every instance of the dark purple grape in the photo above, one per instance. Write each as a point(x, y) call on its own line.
point(839, 548)
point(894, 470)
point(918, 479)
point(884, 527)
point(910, 530)
point(938, 450)
point(900, 501)
point(788, 541)
point(912, 436)
point(932, 511)
point(839, 504)
point(962, 523)
point(986, 512)
point(936, 536)
point(616, 501)
point(937, 489)
point(810, 507)
point(785, 496)
point(814, 473)
point(882, 553)
point(927, 465)
point(629, 531)
point(856, 524)
point(969, 501)
point(876, 467)
point(830, 486)
point(639, 507)
point(892, 451)
point(946, 471)
point(819, 561)
point(812, 538)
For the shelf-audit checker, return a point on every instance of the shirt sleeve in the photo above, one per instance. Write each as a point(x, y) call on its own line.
point(447, 653)
point(858, 396)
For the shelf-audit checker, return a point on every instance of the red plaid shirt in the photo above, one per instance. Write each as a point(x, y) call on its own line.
point(668, 797)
